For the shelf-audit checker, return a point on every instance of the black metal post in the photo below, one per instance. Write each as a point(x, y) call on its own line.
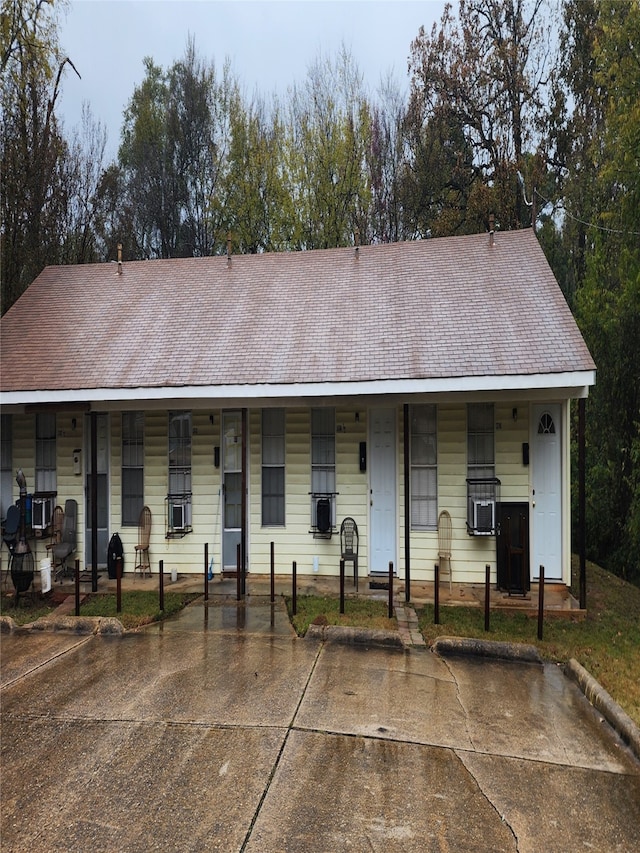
point(161, 584)
point(341, 586)
point(77, 587)
point(487, 595)
point(582, 504)
point(540, 602)
point(436, 594)
point(118, 584)
point(407, 504)
point(390, 609)
point(273, 572)
point(206, 571)
point(294, 592)
point(239, 572)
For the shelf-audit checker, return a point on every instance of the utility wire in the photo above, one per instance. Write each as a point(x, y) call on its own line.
point(589, 224)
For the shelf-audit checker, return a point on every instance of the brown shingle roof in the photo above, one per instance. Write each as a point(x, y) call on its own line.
point(448, 307)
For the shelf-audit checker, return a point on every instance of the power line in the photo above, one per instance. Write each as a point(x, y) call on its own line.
point(589, 224)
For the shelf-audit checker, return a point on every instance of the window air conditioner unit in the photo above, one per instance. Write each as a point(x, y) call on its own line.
point(41, 513)
point(484, 517)
point(178, 516)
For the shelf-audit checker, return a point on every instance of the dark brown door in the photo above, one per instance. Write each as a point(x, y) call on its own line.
point(513, 548)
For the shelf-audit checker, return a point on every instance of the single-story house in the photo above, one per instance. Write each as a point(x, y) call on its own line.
point(251, 399)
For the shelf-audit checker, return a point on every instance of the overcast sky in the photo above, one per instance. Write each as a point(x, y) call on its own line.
point(270, 43)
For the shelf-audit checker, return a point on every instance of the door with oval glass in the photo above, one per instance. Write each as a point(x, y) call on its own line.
point(547, 491)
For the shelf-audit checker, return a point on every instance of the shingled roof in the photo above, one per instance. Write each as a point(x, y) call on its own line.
point(428, 310)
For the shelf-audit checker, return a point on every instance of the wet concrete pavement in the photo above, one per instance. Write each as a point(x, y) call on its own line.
point(220, 730)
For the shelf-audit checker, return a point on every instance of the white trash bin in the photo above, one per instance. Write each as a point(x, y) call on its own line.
point(45, 575)
point(174, 575)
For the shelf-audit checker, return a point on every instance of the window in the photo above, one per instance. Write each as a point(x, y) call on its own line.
point(179, 497)
point(6, 464)
point(424, 469)
point(132, 466)
point(46, 480)
point(273, 450)
point(483, 488)
point(480, 441)
point(323, 460)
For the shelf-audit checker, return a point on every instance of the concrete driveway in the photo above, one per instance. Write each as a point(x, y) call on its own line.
point(220, 730)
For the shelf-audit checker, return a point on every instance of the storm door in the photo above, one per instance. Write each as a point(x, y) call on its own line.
point(102, 430)
point(231, 488)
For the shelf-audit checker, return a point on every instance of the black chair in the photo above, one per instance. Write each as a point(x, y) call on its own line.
point(349, 541)
point(10, 535)
point(67, 545)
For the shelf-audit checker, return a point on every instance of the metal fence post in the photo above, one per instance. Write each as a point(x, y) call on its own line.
point(390, 589)
point(294, 595)
point(436, 594)
point(540, 602)
point(487, 595)
point(161, 584)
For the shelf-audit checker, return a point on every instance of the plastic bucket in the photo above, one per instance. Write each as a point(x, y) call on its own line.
point(45, 575)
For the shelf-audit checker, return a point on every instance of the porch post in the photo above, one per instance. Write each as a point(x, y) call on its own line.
point(243, 530)
point(582, 504)
point(407, 507)
point(94, 501)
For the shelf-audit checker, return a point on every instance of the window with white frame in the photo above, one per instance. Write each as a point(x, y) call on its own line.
point(273, 455)
point(323, 459)
point(46, 479)
point(132, 467)
point(179, 496)
point(424, 467)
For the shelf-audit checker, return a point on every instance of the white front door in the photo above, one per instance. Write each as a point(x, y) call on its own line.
point(382, 483)
point(547, 492)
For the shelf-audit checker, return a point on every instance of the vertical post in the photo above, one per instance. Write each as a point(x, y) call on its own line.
point(239, 571)
point(436, 594)
point(77, 587)
point(294, 592)
point(94, 501)
point(273, 572)
point(487, 595)
point(118, 584)
point(341, 586)
point(582, 504)
point(161, 584)
point(390, 590)
point(243, 531)
point(540, 602)
point(206, 571)
point(407, 507)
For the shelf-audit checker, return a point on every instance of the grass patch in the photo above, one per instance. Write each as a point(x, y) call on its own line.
point(138, 607)
point(27, 610)
point(606, 642)
point(358, 612)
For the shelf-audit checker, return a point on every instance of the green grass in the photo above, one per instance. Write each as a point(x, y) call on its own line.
point(26, 611)
point(606, 642)
point(358, 612)
point(138, 607)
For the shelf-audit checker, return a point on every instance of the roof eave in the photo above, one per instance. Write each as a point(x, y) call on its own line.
point(568, 385)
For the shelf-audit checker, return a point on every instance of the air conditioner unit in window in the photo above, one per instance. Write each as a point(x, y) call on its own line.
point(178, 516)
point(41, 512)
point(484, 517)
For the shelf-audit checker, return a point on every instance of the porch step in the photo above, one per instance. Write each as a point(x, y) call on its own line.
point(408, 626)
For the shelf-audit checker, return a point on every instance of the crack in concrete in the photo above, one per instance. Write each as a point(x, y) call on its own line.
point(283, 745)
point(489, 801)
point(460, 702)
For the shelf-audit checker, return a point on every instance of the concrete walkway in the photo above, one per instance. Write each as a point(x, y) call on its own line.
point(221, 730)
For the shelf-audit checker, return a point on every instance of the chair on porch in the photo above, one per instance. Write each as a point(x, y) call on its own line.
point(57, 522)
point(349, 545)
point(67, 545)
point(142, 563)
point(444, 544)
